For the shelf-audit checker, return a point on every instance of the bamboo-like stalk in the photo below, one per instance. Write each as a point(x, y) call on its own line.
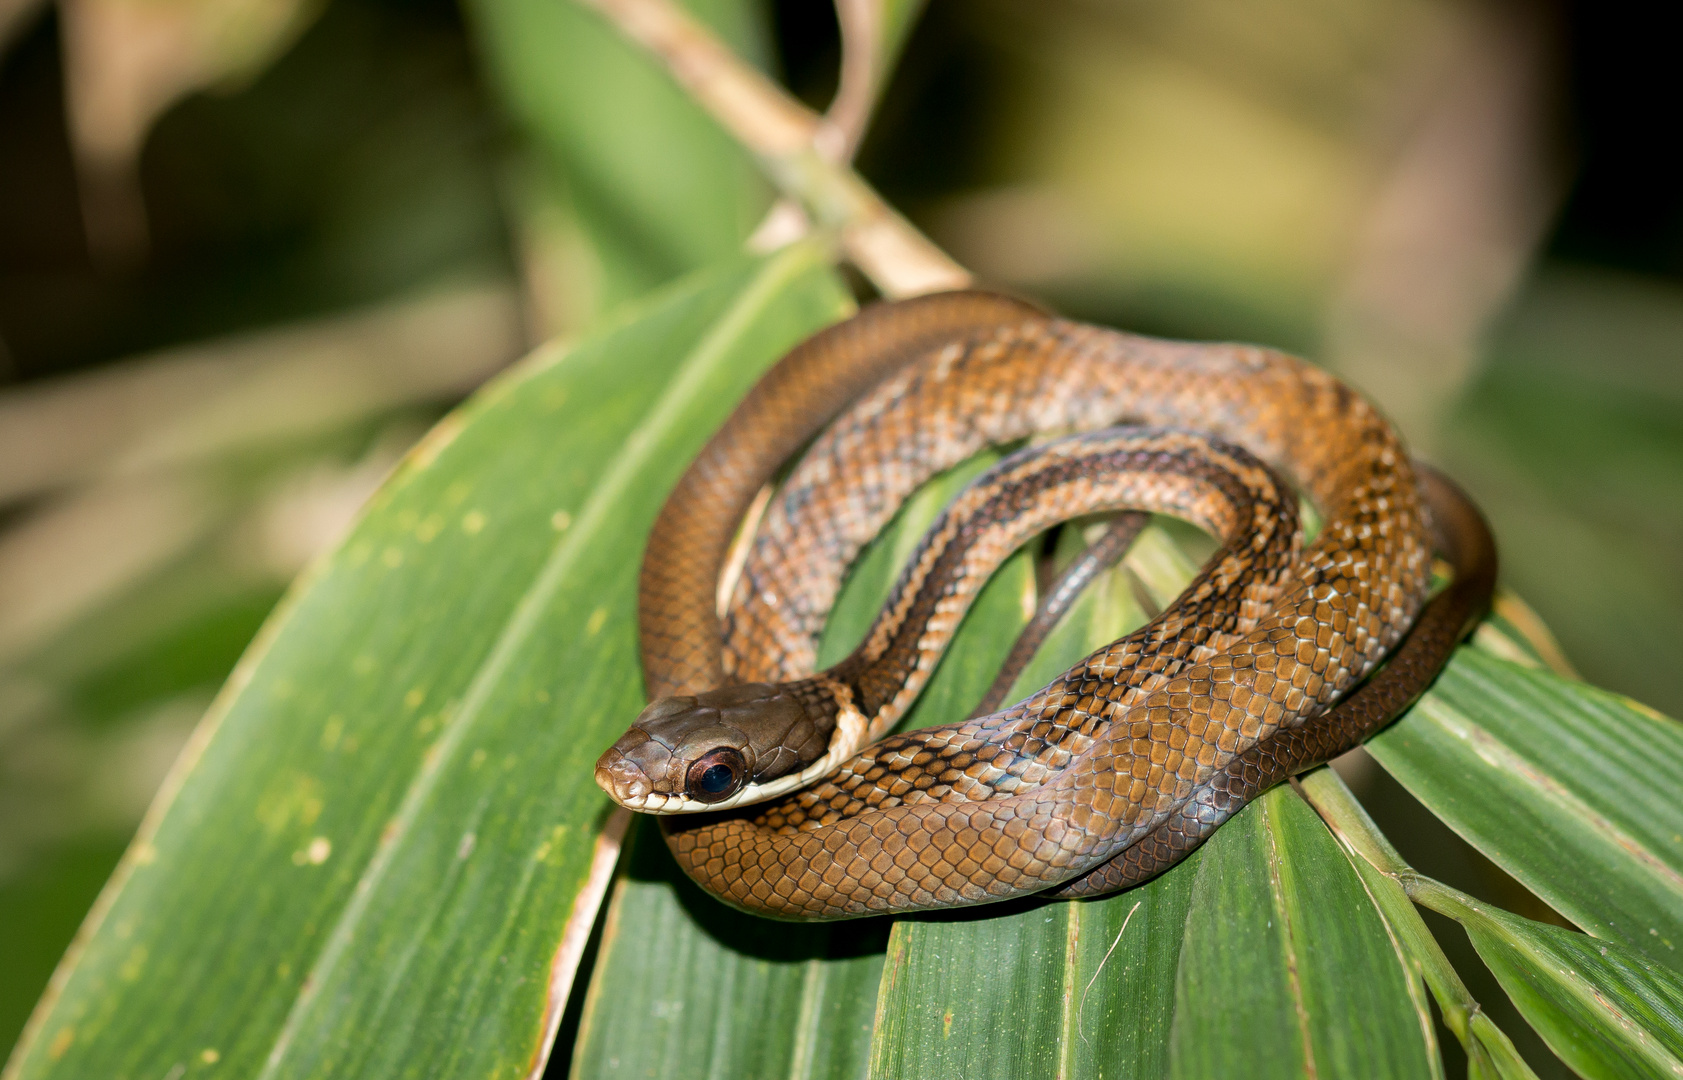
point(1393, 884)
point(786, 137)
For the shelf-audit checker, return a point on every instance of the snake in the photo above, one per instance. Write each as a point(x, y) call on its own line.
point(779, 788)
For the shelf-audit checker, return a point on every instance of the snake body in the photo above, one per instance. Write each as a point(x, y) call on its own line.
point(786, 736)
point(1123, 764)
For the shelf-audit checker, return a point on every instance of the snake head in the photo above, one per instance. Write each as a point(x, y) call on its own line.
point(710, 751)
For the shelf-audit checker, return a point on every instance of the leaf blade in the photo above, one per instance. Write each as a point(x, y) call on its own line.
point(1283, 946)
point(1607, 1010)
point(1568, 788)
point(343, 721)
point(634, 182)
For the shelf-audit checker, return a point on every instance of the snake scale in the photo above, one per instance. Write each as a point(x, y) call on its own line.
point(1123, 764)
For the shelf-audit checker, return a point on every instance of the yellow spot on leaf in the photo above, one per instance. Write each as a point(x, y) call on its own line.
point(456, 492)
point(331, 731)
point(477, 759)
point(145, 855)
point(472, 522)
point(549, 852)
point(560, 521)
point(290, 800)
point(593, 624)
point(209, 1056)
point(414, 697)
point(284, 970)
point(541, 697)
point(430, 526)
point(315, 853)
point(61, 1042)
point(406, 519)
point(392, 557)
point(133, 964)
point(947, 1024)
point(363, 664)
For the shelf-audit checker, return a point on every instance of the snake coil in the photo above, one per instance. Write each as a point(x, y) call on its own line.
point(1117, 768)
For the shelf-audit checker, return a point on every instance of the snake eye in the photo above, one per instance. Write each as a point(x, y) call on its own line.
point(716, 775)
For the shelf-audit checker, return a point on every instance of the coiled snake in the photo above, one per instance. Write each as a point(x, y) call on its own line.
point(1125, 763)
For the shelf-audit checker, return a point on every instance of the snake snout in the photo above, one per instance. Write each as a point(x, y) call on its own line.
point(623, 780)
point(673, 742)
point(636, 770)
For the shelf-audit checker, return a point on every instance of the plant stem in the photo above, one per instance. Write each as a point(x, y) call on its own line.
point(1393, 884)
point(785, 136)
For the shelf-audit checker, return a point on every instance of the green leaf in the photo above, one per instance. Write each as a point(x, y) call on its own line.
point(684, 986)
point(1010, 991)
point(1283, 949)
point(1608, 1011)
point(387, 817)
point(1512, 631)
point(1490, 1053)
point(644, 183)
point(898, 17)
point(1570, 789)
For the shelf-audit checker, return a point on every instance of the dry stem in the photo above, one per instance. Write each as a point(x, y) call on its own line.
point(785, 136)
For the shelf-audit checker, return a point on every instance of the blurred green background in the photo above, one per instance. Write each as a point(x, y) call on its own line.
point(240, 275)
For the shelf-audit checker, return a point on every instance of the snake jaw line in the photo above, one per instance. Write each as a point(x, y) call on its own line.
point(624, 789)
point(760, 733)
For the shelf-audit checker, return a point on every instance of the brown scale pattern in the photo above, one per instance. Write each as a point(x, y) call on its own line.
point(1465, 540)
point(1219, 488)
point(691, 538)
point(1096, 763)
